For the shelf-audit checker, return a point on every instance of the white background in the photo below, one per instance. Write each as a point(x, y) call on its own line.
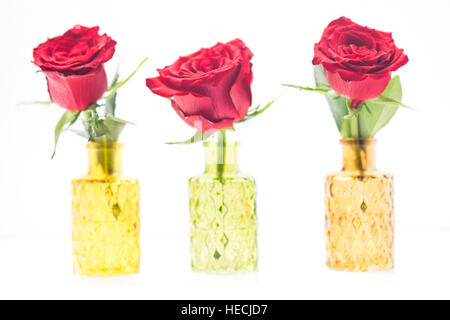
point(289, 150)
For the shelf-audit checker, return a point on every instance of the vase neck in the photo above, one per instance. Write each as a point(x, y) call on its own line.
point(358, 154)
point(221, 156)
point(105, 159)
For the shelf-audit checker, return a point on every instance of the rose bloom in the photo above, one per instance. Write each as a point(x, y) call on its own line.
point(73, 65)
point(357, 61)
point(211, 87)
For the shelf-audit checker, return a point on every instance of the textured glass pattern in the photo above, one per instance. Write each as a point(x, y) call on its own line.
point(223, 224)
point(223, 215)
point(106, 225)
point(359, 220)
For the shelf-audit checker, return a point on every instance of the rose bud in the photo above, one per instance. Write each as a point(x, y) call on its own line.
point(73, 65)
point(211, 87)
point(357, 61)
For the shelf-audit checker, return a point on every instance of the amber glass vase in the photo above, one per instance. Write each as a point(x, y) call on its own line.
point(105, 213)
point(359, 212)
point(223, 214)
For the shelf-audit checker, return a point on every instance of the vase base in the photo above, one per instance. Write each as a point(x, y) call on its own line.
point(374, 268)
point(250, 269)
point(106, 272)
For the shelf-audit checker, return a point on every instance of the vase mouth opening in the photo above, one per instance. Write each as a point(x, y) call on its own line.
point(104, 145)
point(213, 143)
point(360, 141)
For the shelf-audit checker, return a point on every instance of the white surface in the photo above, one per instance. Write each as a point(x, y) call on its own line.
point(42, 264)
point(289, 150)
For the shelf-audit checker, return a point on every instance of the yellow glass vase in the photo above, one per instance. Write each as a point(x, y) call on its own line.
point(223, 214)
point(105, 213)
point(359, 212)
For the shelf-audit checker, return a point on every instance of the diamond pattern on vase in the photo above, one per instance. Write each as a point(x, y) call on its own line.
point(106, 226)
point(223, 224)
point(359, 222)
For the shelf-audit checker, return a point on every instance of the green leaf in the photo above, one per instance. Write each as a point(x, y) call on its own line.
point(68, 118)
point(116, 87)
point(365, 121)
point(117, 120)
point(46, 103)
point(114, 82)
point(338, 104)
point(110, 105)
point(80, 133)
point(389, 101)
point(254, 112)
point(320, 90)
point(376, 113)
point(198, 137)
point(113, 127)
point(320, 78)
point(92, 123)
point(102, 129)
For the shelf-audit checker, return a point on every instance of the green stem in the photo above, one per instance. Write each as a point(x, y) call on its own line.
point(91, 123)
point(354, 125)
point(355, 134)
point(221, 153)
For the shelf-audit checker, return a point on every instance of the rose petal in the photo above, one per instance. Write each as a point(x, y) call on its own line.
point(79, 51)
point(160, 88)
point(76, 92)
point(211, 85)
point(358, 88)
point(202, 124)
point(357, 60)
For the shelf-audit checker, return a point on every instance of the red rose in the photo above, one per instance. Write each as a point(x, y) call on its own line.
point(357, 61)
point(210, 88)
point(73, 65)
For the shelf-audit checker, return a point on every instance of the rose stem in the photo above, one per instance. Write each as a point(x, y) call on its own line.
point(355, 134)
point(221, 153)
point(354, 125)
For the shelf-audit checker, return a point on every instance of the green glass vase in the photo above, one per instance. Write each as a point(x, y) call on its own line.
point(223, 214)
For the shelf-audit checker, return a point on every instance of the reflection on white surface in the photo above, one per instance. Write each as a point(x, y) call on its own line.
point(41, 268)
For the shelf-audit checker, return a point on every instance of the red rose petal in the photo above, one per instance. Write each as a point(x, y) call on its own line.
point(202, 124)
point(210, 87)
point(358, 61)
point(79, 51)
point(76, 92)
point(358, 89)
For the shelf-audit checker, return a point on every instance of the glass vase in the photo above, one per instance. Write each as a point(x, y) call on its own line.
point(359, 212)
point(105, 216)
point(223, 214)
